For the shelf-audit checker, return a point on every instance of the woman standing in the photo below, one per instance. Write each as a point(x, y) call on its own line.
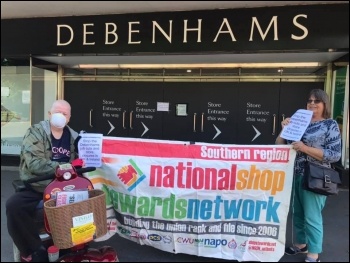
point(321, 143)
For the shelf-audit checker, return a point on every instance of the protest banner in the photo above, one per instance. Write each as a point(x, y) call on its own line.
point(211, 200)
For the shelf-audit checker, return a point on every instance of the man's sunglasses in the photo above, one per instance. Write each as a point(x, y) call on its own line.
point(315, 101)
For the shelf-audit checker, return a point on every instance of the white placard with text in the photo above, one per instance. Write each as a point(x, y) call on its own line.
point(297, 126)
point(90, 149)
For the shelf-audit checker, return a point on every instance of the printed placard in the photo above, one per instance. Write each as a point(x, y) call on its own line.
point(90, 149)
point(83, 234)
point(83, 219)
point(297, 126)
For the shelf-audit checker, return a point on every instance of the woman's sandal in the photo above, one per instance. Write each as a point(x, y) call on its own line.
point(293, 250)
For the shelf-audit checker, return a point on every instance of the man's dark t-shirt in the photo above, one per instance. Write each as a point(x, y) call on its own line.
point(61, 147)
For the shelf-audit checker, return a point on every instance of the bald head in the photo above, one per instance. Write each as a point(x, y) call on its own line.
point(60, 104)
point(63, 107)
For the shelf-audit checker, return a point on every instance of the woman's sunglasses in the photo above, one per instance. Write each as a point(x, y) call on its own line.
point(315, 101)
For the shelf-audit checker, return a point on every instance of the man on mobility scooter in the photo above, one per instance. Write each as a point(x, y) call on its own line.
point(45, 146)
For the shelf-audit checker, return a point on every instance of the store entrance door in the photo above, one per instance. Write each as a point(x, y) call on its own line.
point(222, 112)
point(121, 109)
point(293, 96)
point(201, 112)
point(262, 107)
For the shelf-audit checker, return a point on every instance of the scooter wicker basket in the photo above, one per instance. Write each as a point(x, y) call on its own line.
point(60, 218)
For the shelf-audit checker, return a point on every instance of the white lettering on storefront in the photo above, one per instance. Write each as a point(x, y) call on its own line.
point(134, 28)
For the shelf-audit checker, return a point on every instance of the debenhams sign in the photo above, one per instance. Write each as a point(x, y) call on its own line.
point(134, 27)
point(286, 28)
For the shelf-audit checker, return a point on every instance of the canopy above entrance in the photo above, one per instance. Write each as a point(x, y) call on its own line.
point(274, 60)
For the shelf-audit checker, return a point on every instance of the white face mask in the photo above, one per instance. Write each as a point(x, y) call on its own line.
point(58, 120)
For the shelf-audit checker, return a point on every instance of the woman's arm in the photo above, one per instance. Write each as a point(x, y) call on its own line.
point(279, 139)
point(332, 146)
point(332, 150)
point(311, 151)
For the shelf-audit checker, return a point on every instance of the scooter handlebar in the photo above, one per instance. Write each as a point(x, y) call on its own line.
point(85, 170)
point(52, 176)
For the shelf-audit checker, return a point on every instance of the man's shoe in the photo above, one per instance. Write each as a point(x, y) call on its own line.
point(26, 259)
point(293, 250)
point(40, 255)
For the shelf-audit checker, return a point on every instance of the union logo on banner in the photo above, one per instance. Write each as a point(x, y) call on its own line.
point(131, 175)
